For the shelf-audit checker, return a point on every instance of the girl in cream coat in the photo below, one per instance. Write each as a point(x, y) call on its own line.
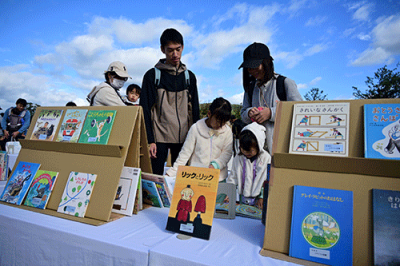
point(209, 141)
point(249, 167)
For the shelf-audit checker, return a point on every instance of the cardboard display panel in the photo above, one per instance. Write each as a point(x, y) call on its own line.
point(353, 173)
point(127, 146)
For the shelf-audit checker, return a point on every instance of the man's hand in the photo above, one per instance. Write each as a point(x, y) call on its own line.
point(153, 150)
point(6, 133)
point(15, 134)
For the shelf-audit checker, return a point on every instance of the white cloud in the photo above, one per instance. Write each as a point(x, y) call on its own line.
point(317, 48)
point(291, 59)
point(315, 81)
point(363, 37)
point(316, 21)
point(372, 57)
point(301, 86)
point(362, 13)
point(236, 99)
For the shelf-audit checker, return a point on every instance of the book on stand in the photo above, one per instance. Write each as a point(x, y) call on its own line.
point(320, 129)
point(322, 225)
point(150, 194)
point(3, 166)
point(97, 127)
point(386, 226)
point(71, 125)
point(382, 131)
point(46, 125)
point(125, 197)
point(40, 190)
point(161, 185)
point(193, 201)
point(19, 182)
point(77, 193)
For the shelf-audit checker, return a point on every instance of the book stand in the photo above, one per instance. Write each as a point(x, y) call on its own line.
point(127, 146)
point(354, 173)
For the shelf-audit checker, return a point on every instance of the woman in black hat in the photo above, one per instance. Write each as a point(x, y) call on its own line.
point(264, 89)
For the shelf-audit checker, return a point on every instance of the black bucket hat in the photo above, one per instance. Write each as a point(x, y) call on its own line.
point(254, 54)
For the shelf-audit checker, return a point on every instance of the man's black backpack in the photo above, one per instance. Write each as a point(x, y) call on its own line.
point(280, 89)
point(15, 120)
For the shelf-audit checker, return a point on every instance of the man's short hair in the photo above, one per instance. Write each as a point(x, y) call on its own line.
point(133, 87)
point(21, 101)
point(170, 35)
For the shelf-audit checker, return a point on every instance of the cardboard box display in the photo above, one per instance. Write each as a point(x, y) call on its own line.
point(353, 173)
point(127, 146)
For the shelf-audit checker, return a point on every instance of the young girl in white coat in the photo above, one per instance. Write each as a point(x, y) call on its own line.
point(209, 141)
point(249, 167)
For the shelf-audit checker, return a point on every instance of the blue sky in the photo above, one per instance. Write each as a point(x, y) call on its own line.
point(52, 52)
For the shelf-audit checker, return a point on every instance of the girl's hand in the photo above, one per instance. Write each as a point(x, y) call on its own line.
point(259, 203)
point(253, 111)
point(262, 115)
point(211, 166)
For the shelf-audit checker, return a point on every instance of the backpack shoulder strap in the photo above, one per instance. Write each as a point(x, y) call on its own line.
point(157, 77)
point(280, 88)
point(22, 114)
point(187, 78)
point(250, 92)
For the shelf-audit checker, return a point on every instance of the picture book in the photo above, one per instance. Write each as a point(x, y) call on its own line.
point(161, 185)
point(322, 225)
point(71, 125)
point(386, 226)
point(125, 198)
point(150, 194)
point(46, 125)
point(225, 206)
point(193, 201)
point(382, 131)
point(77, 193)
point(19, 182)
point(97, 126)
point(320, 129)
point(40, 189)
point(3, 166)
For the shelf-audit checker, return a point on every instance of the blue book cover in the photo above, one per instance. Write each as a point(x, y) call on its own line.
point(322, 225)
point(386, 226)
point(150, 193)
point(162, 191)
point(382, 131)
point(19, 182)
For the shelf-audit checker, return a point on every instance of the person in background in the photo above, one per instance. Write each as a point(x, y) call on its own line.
point(107, 92)
point(70, 104)
point(171, 106)
point(209, 141)
point(249, 167)
point(132, 95)
point(15, 122)
point(261, 90)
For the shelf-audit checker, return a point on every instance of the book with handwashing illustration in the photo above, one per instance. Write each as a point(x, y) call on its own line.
point(40, 190)
point(322, 225)
point(19, 182)
point(46, 124)
point(77, 193)
point(193, 201)
point(3, 166)
point(125, 198)
point(150, 194)
point(97, 127)
point(386, 226)
point(71, 125)
point(382, 131)
point(320, 129)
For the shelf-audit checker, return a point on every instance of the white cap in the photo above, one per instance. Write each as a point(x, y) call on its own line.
point(119, 68)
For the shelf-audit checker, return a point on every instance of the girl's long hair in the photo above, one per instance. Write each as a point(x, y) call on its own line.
point(249, 81)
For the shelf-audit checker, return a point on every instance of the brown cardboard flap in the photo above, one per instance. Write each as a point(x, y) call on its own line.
point(376, 167)
point(81, 148)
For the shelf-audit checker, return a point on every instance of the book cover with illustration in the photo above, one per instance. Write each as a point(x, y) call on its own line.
point(3, 166)
point(125, 198)
point(386, 226)
point(320, 129)
point(161, 185)
point(46, 125)
point(40, 190)
point(71, 125)
point(382, 131)
point(77, 193)
point(322, 225)
point(19, 182)
point(193, 201)
point(97, 127)
point(150, 194)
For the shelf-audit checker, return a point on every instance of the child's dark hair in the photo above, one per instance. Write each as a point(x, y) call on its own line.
point(170, 35)
point(248, 140)
point(133, 87)
point(22, 101)
point(222, 109)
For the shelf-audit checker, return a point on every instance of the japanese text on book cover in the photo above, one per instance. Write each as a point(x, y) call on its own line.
point(41, 188)
point(322, 225)
point(193, 201)
point(382, 131)
point(71, 125)
point(97, 127)
point(320, 129)
point(46, 125)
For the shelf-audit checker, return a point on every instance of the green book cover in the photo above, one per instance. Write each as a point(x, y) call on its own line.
point(97, 127)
